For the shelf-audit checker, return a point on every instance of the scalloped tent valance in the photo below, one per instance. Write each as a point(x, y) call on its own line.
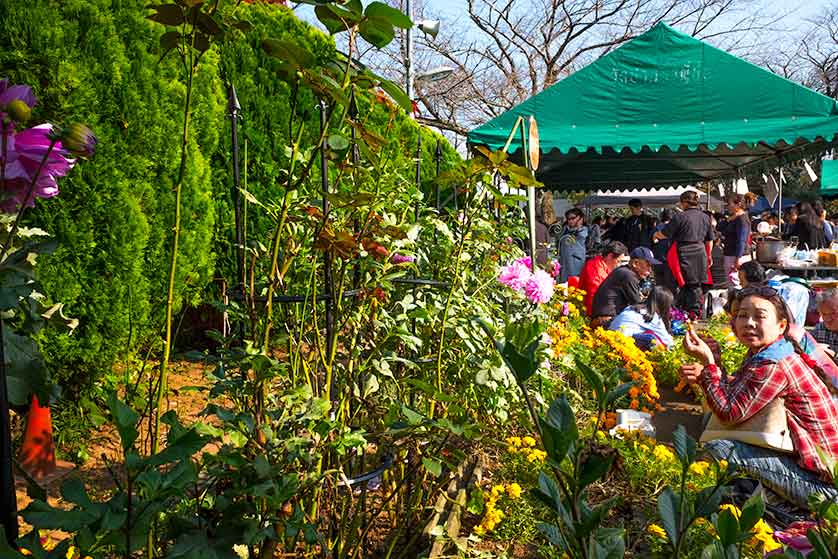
point(667, 109)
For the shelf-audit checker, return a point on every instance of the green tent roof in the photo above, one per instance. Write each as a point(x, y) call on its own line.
point(666, 108)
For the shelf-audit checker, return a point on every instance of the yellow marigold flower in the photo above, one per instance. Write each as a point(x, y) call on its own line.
point(528, 441)
point(512, 449)
point(601, 436)
point(663, 454)
point(537, 456)
point(514, 441)
point(723, 465)
point(656, 531)
point(699, 468)
point(479, 530)
point(513, 490)
point(732, 508)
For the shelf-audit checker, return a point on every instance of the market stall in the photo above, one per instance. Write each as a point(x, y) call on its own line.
point(666, 109)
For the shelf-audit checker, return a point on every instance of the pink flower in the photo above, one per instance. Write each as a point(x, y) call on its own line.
point(555, 268)
point(794, 536)
point(515, 275)
point(25, 152)
point(540, 287)
point(12, 93)
point(565, 308)
point(526, 261)
point(397, 258)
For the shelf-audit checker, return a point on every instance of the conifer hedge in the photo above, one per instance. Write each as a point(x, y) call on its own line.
point(98, 61)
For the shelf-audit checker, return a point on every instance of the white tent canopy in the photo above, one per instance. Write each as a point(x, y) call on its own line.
point(651, 198)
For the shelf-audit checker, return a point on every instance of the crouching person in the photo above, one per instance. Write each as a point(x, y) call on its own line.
point(774, 367)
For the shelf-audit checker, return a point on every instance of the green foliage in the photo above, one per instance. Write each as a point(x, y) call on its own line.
point(99, 62)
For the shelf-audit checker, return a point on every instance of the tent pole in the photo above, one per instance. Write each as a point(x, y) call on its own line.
point(780, 206)
point(530, 194)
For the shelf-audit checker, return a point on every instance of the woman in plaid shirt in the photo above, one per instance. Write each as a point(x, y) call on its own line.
point(775, 367)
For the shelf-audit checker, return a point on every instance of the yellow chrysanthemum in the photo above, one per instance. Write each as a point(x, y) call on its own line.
point(528, 441)
point(656, 531)
point(513, 490)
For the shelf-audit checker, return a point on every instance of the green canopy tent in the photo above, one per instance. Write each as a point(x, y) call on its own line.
point(829, 177)
point(665, 109)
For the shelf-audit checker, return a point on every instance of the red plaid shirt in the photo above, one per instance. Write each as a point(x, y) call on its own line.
point(811, 411)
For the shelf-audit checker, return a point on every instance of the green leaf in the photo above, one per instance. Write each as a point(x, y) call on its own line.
point(208, 25)
point(288, 51)
point(25, 369)
point(611, 543)
point(167, 14)
point(616, 393)
point(476, 502)
point(377, 31)
point(336, 19)
point(669, 511)
point(593, 468)
point(752, 511)
point(434, 467)
point(707, 501)
point(727, 527)
point(553, 535)
point(73, 491)
point(126, 421)
point(398, 95)
point(169, 40)
point(594, 379)
point(262, 467)
point(392, 15)
point(685, 446)
point(338, 142)
point(559, 429)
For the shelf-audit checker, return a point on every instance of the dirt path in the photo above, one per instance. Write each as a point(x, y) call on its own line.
point(105, 448)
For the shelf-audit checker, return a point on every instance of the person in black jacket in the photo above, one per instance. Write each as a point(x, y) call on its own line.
point(692, 234)
point(635, 230)
point(622, 287)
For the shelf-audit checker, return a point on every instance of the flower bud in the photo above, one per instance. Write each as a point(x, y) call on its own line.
point(79, 140)
point(18, 110)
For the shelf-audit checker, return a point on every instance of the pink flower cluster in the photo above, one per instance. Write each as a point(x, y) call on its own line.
point(33, 159)
point(538, 286)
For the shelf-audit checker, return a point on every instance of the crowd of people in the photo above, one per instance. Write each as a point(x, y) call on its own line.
point(669, 263)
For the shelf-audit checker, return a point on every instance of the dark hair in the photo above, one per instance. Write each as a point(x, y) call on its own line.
point(807, 213)
point(666, 215)
point(690, 198)
point(659, 302)
point(782, 309)
point(597, 220)
point(614, 247)
point(735, 199)
point(754, 272)
point(635, 203)
point(574, 212)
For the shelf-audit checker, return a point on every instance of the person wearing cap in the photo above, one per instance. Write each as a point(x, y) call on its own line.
point(596, 269)
point(622, 287)
point(635, 230)
point(692, 236)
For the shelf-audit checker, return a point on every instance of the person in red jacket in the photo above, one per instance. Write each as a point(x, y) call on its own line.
point(596, 269)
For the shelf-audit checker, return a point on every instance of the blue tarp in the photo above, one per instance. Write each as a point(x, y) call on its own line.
point(763, 205)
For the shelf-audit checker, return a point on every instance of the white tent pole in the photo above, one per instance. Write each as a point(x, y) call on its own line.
point(530, 196)
point(780, 206)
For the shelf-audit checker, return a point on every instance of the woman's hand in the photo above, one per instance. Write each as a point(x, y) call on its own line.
point(696, 347)
point(690, 372)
